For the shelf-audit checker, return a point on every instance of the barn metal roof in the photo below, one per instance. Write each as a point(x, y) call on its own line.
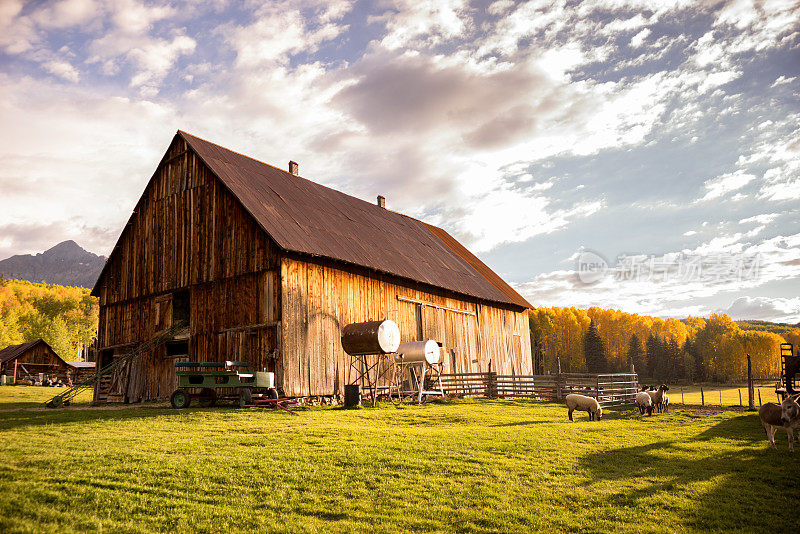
point(13, 352)
point(306, 217)
point(81, 365)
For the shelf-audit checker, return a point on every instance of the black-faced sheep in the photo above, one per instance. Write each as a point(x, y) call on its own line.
point(581, 402)
point(658, 396)
point(644, 402)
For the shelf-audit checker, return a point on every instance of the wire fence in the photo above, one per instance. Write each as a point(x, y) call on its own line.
point(723, 395)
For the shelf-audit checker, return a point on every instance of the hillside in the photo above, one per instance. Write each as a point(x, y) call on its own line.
point(767, 326)
point(66, 264)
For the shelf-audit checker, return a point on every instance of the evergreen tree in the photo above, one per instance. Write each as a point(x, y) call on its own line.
point(636, 354)
point(653, 351)
point(594, 351)
point(698, 372)
point(674, 362)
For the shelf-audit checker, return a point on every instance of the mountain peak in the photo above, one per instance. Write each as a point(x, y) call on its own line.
point(67, 250)
point(67, 263)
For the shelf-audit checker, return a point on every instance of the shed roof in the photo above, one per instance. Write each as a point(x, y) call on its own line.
point(306, 217)
point(12, 352)
point(81, 365)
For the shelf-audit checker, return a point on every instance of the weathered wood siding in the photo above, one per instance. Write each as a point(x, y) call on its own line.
point(189, 232)
point(231, 319)
point(319, 299)
point(186, 229)
point(38, 359)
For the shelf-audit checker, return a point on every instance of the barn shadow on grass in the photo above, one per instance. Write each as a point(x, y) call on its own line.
point(31, 419)
point(733, 454)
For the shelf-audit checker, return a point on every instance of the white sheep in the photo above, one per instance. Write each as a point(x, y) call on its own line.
point(660, 398)
point(644, 402)
point(582, 402)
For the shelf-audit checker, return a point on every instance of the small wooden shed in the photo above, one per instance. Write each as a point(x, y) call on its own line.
point(267, 267)
point(38, 357)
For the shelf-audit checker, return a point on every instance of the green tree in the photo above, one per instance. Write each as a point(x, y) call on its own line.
point(653, 351)
point(636, 354)
point(594, 351)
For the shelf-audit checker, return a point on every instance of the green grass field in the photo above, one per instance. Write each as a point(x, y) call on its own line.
point(32, 396)
point(460, 466)
point(725, 395)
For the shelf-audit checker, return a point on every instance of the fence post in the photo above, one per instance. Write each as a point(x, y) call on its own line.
point(682, 401)
point(702, 397)
point(488, 392)
point(720, 396)
point(740, 397)
point(559, 378)
point(750, 393)
point(759, 398)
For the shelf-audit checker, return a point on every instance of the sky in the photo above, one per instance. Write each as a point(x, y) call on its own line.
point(627, 154)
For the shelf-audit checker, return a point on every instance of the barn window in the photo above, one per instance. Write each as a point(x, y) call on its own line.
point(177, 348)
point(106, 357)
point(181, 307)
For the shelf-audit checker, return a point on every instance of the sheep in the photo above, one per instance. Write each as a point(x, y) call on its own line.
point(644, 402)
point(658, 396)
point(582, 402)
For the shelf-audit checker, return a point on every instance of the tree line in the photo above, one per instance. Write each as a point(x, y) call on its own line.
point(65, 317)
point(599, 340)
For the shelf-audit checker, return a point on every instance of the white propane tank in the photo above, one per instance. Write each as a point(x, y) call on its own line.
point(389, 336)
point(419, 351)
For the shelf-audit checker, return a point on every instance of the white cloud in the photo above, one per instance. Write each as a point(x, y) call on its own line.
point(68, 13)
point(62, 69)
point(724, 184)
point(783, 80)
point(136, 18)
point(727, 267)
point(156, 57)
point(278, 33)
point(638, 39)
point(766, 308)
point(17, 33)
point(764, 218)
point(410, 20)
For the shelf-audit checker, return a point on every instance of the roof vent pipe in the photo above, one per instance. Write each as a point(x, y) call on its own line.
point(293, 167)
point(381, 202)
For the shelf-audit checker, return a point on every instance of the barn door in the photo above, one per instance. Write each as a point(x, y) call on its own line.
point(418, 317)
point(162, 312)
point(433, 323)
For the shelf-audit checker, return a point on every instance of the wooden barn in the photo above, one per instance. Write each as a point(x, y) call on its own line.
point(37, 357)
point(267, 267)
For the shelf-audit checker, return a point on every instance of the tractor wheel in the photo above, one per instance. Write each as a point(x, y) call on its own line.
point(245, 398)
point(208, 398)
point(180, 399)
point(272, 394)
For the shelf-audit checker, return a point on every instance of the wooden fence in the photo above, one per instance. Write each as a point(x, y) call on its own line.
point(614, 389)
